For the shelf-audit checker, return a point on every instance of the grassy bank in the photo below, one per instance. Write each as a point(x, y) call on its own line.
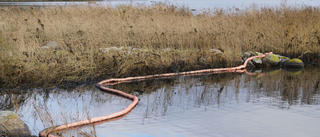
point(149, 39)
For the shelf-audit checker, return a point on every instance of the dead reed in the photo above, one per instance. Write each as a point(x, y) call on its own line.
point(149, 39)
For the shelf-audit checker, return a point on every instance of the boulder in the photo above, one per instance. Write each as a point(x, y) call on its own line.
point(294, 63)
point(257, 62)
point(257, 53)
point(250, 64)
point(247, 54)
point(11, 125)
point(271, 60)
point(283, 59)
point(52, 45)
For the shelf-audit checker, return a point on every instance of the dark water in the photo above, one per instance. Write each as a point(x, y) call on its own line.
point(281, 103)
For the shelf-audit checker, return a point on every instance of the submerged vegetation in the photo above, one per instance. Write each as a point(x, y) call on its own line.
point(101, 42)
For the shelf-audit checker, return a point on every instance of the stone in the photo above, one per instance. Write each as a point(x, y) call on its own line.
point(283, 60)
point(246, 55)
point(250, 64)
point(11, 125)
point(257, 62)
point(257, 53)
point(52, 45)
point(216, 51)
point(271, 60)
point(294, 63)
point(110, 49)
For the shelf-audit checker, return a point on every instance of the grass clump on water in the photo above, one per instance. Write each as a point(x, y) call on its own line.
point(103, 42)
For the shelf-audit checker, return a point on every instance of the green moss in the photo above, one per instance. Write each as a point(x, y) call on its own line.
point(273, 57)
point(9, 115)
point(295, 60)
point(256, 59)
point(12, 117)
point(284, 58)
point(257, 53)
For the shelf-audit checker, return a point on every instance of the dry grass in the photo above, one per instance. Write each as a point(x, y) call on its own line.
point(168, 39)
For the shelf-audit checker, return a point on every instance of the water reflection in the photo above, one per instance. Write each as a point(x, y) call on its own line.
point(173, 99)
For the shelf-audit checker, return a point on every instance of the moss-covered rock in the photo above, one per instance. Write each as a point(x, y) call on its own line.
point(257, 53)
point(294, 63)
point(295, 60)
point(247, 54)
point(11, 125)
point(271, 60)
point(284, 58)
point(257, 62)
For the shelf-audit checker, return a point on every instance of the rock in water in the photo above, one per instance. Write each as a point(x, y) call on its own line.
point(257, 62)
point(294, 63)
point(12, 126)
point(271, 60)
point(283, 60)
point(246, 55)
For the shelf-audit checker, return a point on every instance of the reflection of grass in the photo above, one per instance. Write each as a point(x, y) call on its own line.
point(165, 39)
point(51, 118)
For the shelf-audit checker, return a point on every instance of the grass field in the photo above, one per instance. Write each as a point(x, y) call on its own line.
point(102, 42)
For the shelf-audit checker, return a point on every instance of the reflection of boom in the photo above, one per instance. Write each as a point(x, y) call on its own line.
point(135, 100)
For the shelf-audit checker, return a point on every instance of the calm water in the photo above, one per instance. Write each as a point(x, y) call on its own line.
point(282, 103)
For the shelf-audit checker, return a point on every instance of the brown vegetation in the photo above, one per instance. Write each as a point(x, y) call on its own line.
point(165, 38)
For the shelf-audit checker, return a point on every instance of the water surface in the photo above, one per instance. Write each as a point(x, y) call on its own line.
point(281, 103)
